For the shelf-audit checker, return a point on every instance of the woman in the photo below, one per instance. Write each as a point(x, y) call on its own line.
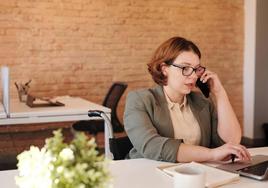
point(173, 123)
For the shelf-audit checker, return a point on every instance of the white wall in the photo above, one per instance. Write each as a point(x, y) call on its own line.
point(261, 68)
point(249, 67)
point(255, 68)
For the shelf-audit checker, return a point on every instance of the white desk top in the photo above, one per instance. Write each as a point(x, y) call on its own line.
point(139, 173)
point(75, 109)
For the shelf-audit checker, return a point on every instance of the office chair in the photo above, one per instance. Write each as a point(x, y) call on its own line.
point(111, 101)
point(120, 146)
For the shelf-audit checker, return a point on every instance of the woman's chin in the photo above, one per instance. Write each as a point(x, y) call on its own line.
point(187, 91)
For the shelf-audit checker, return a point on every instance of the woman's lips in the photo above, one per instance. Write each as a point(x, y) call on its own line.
point(190, 85)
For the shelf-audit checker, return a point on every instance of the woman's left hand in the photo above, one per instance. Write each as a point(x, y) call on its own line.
point(213, 81)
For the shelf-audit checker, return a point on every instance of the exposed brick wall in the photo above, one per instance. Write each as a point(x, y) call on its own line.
point(78, 47)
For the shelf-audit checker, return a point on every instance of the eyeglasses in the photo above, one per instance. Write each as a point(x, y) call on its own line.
point(188, 71)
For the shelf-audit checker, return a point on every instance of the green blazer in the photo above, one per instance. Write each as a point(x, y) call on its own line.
point(148, 124)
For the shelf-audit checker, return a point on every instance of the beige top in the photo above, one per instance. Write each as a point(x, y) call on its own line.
point(184, 123)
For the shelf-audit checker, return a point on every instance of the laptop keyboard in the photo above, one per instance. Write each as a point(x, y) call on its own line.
point(258, 169)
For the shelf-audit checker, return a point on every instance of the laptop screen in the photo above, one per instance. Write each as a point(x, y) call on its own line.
point(255, 169)
point(258, 169)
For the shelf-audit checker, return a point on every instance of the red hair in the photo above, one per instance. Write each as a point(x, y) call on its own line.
point(166, 53)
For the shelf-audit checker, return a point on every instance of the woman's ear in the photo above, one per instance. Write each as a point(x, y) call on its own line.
point(164, 69)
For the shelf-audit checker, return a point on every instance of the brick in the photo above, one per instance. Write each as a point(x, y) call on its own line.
point(79, 47)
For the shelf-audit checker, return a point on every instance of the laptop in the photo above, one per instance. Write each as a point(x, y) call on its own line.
point(256, 169)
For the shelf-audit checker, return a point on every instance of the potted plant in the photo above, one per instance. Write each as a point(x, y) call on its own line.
point(62, 165)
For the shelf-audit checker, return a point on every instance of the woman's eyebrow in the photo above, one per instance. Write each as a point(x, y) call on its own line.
point(189, 64)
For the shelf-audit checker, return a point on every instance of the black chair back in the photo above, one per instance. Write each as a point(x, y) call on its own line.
point(111, 101)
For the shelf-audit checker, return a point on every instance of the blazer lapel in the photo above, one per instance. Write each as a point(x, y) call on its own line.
point(161, 113)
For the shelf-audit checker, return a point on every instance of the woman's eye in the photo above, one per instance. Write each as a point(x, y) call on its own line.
point(187, 68)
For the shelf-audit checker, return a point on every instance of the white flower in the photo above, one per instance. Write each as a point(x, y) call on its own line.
point(67, 154)
point(34, 168)
point(56, 164)
point(60, 169)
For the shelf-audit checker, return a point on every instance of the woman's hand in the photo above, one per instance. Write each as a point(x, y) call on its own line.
point(225, 151)
point(229, 128)
point(213, 81)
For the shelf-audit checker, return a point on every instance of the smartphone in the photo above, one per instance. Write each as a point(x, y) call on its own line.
point(203, 87)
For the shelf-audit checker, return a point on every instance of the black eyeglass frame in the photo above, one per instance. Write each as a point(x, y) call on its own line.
point(193, 69)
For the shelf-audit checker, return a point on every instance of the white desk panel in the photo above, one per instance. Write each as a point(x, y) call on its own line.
point(75, 109)
point(139, 173)
point(2, 112)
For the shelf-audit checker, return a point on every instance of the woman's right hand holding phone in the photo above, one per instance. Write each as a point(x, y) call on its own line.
point(213, 81)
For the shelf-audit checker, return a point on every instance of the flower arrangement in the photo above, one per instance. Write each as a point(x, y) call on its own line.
point(62, 165)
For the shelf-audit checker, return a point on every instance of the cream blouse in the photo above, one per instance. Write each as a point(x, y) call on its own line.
point(184, 123)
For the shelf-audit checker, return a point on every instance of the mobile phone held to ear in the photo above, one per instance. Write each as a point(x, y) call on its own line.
point(203, 87)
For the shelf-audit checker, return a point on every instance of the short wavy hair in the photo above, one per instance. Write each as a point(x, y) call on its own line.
point(167, 52)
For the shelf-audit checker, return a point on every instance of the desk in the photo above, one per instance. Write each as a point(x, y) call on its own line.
point(139, 173)
point(75, 109)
